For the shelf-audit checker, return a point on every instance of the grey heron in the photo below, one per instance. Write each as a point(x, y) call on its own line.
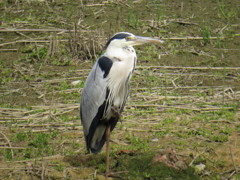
point(106, 90)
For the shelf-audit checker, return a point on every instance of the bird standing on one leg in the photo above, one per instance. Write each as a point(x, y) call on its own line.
point(106, 90)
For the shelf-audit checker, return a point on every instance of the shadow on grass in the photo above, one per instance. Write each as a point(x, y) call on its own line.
point(145, 165)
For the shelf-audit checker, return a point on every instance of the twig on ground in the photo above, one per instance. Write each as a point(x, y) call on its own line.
point(58, 157)
point(195, 158)
point(187, 67)
point(40, 30)
point(8, 50)
point(31, 41)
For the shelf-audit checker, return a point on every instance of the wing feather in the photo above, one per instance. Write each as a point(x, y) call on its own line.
point(93, 96)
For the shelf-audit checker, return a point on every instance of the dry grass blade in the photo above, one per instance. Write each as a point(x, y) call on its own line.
point(31, 41)
point(9, 143)
point(233, 160)
point(2, 147)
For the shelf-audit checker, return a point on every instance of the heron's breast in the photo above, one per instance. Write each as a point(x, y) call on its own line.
point(118, 80)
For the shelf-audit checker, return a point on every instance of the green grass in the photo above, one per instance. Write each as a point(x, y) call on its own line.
point(37, 145)
point(206, 34)
point(137, 143)
point(226, 12)
point(35, 54)
point(133, 20)
point(6, 75)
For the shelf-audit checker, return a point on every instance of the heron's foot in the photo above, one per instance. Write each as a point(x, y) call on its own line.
point(116, 112)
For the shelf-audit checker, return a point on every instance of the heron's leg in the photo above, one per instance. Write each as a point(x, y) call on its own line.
point(107, 149)
point(116, 112)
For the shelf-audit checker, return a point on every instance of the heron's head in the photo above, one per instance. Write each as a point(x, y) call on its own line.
point(124, 39)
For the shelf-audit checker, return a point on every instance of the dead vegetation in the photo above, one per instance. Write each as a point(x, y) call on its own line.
point(183, 109)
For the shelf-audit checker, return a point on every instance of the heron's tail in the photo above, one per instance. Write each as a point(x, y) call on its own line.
point(96, 137)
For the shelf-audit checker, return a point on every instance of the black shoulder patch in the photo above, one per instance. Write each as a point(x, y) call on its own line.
point(105, 64)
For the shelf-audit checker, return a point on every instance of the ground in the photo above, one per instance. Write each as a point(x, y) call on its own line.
point(181, 120)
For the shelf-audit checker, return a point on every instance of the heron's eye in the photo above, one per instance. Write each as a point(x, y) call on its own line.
point(129, 38)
